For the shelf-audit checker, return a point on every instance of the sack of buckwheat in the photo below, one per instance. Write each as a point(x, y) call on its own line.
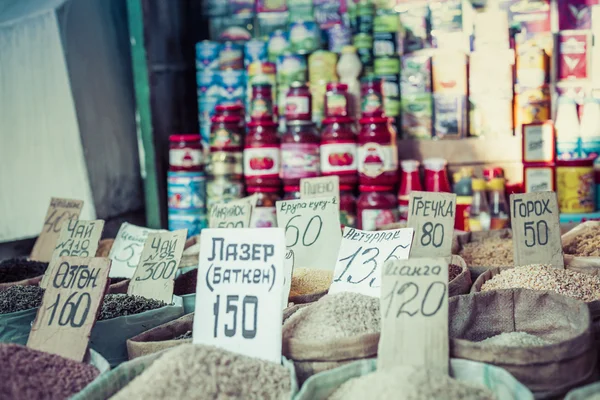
point(581, 247)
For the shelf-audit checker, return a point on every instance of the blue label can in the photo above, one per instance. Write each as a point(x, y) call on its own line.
point(207, 55)
point(233, 86)
point(186, 191)
point(208, 84)
point(231, 56)
point(255, 50)
point(568, 149)
point(193, 221)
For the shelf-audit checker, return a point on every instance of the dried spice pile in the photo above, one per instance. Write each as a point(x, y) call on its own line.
point(118, 305)
point(31, 374)
point(453, 271)
point(196, 371)
point(309, 281)
point(515, 339)
point(586, 245)
point(543, 277)
point(409, 383)
point(492, 252)
point(19, 298)
point(17, 269)
point(186, 283)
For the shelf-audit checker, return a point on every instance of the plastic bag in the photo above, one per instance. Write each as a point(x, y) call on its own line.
point(585, 392)
point(15, 327)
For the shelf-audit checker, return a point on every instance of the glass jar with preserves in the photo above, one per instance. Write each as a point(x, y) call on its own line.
point(230, 110)
point(376, 207)
point(409, 182)
point(223, 188)
point(299, 152)
point(347, 206)
point(298, 103)
point(264, 215)
point(261, 103)
point(371, 94)
point(377, 153)
point(336, 100)
point(226, 134)
point(339, 150)
point(291, 192)
point(262, 158)
point(436, 178)
point(185, 153)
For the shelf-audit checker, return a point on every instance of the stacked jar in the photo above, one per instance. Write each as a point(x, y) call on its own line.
point(186, 184)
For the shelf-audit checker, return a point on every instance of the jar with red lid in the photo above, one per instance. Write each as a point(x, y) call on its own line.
point(376, 207)
point(264, 215)
point(339, 150)
point(377, 152)
point(337, 102)
point(409, 182)
point(347, 206)
point(262, 158)
point(185, 153)
point(298, 103)
point(226, 134)
point(490, 173)
point(299, 152)
point(291, 192)
point(371, 94)
point(230, 110)
point(436, 178)
point(261, 102)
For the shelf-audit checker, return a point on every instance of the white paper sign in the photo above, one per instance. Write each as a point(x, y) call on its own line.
point(312, 231)
point(432, 217)
point(287, 276)
point(239, 290)
point(323, 186)
point(233, 214)
point(127, 249)
point(362, 255)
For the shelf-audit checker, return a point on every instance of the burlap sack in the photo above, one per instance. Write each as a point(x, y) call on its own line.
point(25, 282)
point(119, 288)
point(462, 283)
point(588, 265)
point(307, 298)
point(160, 338)
point(469, 237)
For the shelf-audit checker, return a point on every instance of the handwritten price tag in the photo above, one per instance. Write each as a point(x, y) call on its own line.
point(68, 312)
point(155, 274)
point(414, 313)
point(312, 231)
point(239, 290)
point(432, 217)
point(362, 255)
point(536, 229)
point(233, 214)
point(324, 186)
point(127, 249)
point(59, 211)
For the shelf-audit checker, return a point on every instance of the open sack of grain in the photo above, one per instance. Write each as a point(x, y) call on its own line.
point(581, 246)
point(543, 339)
point(468, 380)
point(459, 276)
point(185, 287)
point(309, 285)
point(484, 250)
point(171, 334)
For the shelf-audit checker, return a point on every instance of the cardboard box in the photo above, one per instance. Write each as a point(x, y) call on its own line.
point(539, 178)
point(539, 142)
point(574, 55)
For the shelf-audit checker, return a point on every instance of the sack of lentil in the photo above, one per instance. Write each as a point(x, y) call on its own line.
point(589, 392)
point(185, 287)
point(162, 337)
point(543, 339)
point(459, 276)
point(309, 285)
point(581, 246)
point(361, 380)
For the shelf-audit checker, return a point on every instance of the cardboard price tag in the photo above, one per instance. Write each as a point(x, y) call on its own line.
point(414, 314)
point(432, 217)
point(312, 230)
point(233, 214)
point(323, 186)
point(362, 255)
point(536, 229)
point(59, 211)
point(127, 249)
point(68, 312)
point(155, 274)
point(239, 290)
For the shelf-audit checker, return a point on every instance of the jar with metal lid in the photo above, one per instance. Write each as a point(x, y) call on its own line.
point(185, 153)
point(223, 188)
point(347, 206)
point(337, 100)
point(339, 149)
point(261, 102)
point(230, 110)
point(291, 192)
point(372, 97)
point(376, 207)
point(226, 134)
point(299, 152)
point(410, 181)
point(225, 163)
point(436, 178)
point(264, 215)
point(298, 103)
point(262, 156)
point(377, 152)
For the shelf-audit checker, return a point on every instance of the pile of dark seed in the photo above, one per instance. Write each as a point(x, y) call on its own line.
point(187, 335)
point(186, 283)
point(19, 298)
point(118, 305)
point(31, 374)
point(453, 271)
point(17, 269)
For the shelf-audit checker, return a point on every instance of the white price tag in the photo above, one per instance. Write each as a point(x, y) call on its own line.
point(362, 256)
point(127, 249)
point(239, 291)
point(323, 186)
point(233, 214)
point(432, 217)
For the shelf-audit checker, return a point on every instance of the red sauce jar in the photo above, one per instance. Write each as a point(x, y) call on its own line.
point(376, 207)
point(299, 152)
point(261, 103)
point(409, 182)
point(262, 158)
point(291, 192)
point(337, 100)
point(436, 178)
point(377, 153)
point(230, 110)
point(226, 134)
point(298, 103)
point(264, 215)
point(185, 153)
point(347, 206)
point(372, 97)
point(339, 150)
point(490, 173)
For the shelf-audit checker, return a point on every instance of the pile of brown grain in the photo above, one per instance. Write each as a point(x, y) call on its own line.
point(585, 245)
point(492, 252)
point(310, 281)
point(453, 271)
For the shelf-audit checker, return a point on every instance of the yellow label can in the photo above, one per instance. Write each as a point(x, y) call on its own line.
point(575, 186)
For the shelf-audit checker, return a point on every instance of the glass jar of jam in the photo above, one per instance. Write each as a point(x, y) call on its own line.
point(291, 192)
point(376, 207)
point(261, 103)
point(299, 152)
point(336, 100)
point(223, 188)
point(377, 152)
point(409, 182)
point(226, 134)
point(230, 110)
point(264, 215)
point(185, 153)
point(371, 94)
point(347, 206)
point(262, 158)
point(339, 150)
point(490, 173)
point(436, 178)
point(298, 103)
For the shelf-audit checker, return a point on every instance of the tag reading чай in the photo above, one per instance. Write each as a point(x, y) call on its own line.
point(432, 217)
point(127, 248)
point(414, 314)
point(233, 214)
point(68, 311)
point(323, 186)
point(154, 277)
point(59, 211)
point(536, 229)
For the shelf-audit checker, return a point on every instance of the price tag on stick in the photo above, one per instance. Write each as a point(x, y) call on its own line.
point(432, 217)
point(127, 249)
point(59, 211)
point(233, 214)
point(70, 305)
point(239, 290)
point(414, 314)
point(363, 254)
point(536, 229)
point(312, 231)
point(324, 186)
point(155, 274)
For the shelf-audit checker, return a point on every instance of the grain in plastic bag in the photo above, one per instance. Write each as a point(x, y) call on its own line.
point(15, 327)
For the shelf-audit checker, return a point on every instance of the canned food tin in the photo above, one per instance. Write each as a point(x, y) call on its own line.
point(186, 190)
point(304, 37)
point(231, 56)
point(225, 163)
point(207, 55)
point(255, 50)
point(233, 86)
point(291, 68)
point(193, 221)
point(339, 35)
point(575, 186)
point(277, 45)
point(387, 66)
point(223, 188)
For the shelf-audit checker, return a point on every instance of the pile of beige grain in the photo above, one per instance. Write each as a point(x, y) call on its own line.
point(492, 252)
point(310, 281)
point(587, 244)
